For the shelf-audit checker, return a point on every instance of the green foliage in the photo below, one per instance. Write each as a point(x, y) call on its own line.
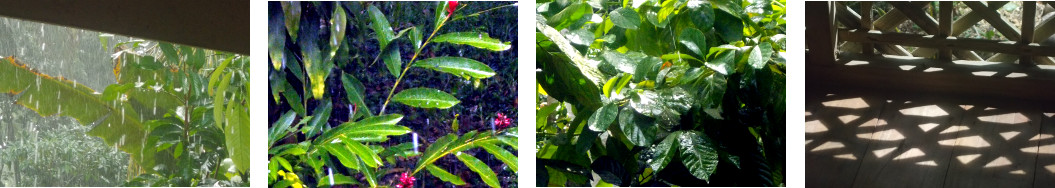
point(335, 136)
point(156, 112)
point(660, 93)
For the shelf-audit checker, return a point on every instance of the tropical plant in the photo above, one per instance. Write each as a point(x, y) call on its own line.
point(157, 110)
point(323, 132)
point(660, 93)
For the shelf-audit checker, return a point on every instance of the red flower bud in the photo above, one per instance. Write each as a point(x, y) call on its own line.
point(405, 181)
point(451, 5)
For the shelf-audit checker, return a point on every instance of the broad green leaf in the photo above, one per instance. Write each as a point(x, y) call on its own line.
point(722, 59)
point(292, 12)
point(603, 117)
point(458, 66)
point(436, 148)
point(441, 14)
point(580, 36)
point(695, 41)
point(236, 135)
point(728, 26)
point(444, 175)
point(318, 119)
point(425, 98)
point(698, 154)
point(480, 168)
point(283, 163)
point(368, 174)
point(294, 99)
point(367, 155)
point(625, 17)
point(573, 16)
point(393, 62)
point(501, 154)
point(317, 67)
point(355, 93)
point(700, 13)
point(586, 69)
point(214, 77)
point(338, 179)
point(639, 129)
point(622, 83)
point(371, 129)
point(475, 39)
point(664, 152)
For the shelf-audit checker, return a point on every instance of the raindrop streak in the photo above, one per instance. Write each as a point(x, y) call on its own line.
point(415, 142)
point(330, 170)
point(155, 106)
point(139, 83)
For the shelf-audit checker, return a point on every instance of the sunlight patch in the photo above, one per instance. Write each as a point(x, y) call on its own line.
point(1050, 168)
point(852, 103)
point(887, 135)
point(815, 126)
point(883, 152)
point(1020, 172)
point(848, 118)
point(927, 126)
point(957, 128)
point(1008, 135)
point(971, 141)
point(1009, 118)
point(932, 69)
point(829, 145)
point(927, 163)
point(967, 158)
point(1002, 161)
point(926, 111)
point(846, 156)
point(914, 152)
point(984, 73)
point(1040, 137)
point(906, 67)
point(1045, 149)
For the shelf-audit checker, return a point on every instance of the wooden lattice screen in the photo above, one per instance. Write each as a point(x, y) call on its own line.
point(869, 51)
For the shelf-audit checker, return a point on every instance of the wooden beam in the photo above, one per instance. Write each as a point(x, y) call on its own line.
point(944, 28)
point(218, 25)
point(867, 48)
point(915, 13)
point(931, 82)
point(820, 32)
point(929, 41)
point(848, 18)
point(1029, 12)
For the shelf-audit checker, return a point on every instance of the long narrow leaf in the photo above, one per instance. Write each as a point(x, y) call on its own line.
point(373, 129)
point(475, 39)
point(425, 98)
point(459, 66)
point(480, 168)
point(501, 154)
point(444, 175)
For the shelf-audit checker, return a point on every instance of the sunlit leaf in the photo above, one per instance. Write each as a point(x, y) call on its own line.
point(372, 129)
point(698, 154)
point(603, 117)
point(458, 66)
point(475, 39)
point(501, 154)
point(625, 17)
point(425, 98)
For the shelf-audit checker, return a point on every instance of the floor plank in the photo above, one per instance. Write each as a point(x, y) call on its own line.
point(998, 144)
point(832, 147)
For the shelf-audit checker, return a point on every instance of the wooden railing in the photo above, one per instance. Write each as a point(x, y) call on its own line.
point(866, 50)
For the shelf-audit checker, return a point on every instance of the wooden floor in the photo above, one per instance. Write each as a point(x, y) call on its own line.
point(856, 138)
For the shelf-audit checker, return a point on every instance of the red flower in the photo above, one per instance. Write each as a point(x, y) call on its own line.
point(451, 5)
point(501, 121)
point(405, 181)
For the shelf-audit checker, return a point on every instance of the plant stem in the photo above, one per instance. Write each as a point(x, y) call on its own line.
point(409, 64)
point(481, 12)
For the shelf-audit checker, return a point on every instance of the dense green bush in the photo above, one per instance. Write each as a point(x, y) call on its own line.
point(660, 93)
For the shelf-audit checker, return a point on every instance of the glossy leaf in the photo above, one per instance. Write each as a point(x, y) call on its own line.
point(368, 156)
point(292, 13)
point(276, 39)
point(372, 129)
point(425, 98)
point(384, 34)
point(237, 136)
point(625, 17)
point(572, 16)
point(579, 36)
point(444, 175)
point(639, 129)
point(338, 25)
point(698, 154)
point(342, 152)
point(728, 26)
point(480, 168)
point(318, 119)
point(458, 66)
point(603, 117)
point(475, 39)
point(695, 41)
point(664, 152)
point(501, 154)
